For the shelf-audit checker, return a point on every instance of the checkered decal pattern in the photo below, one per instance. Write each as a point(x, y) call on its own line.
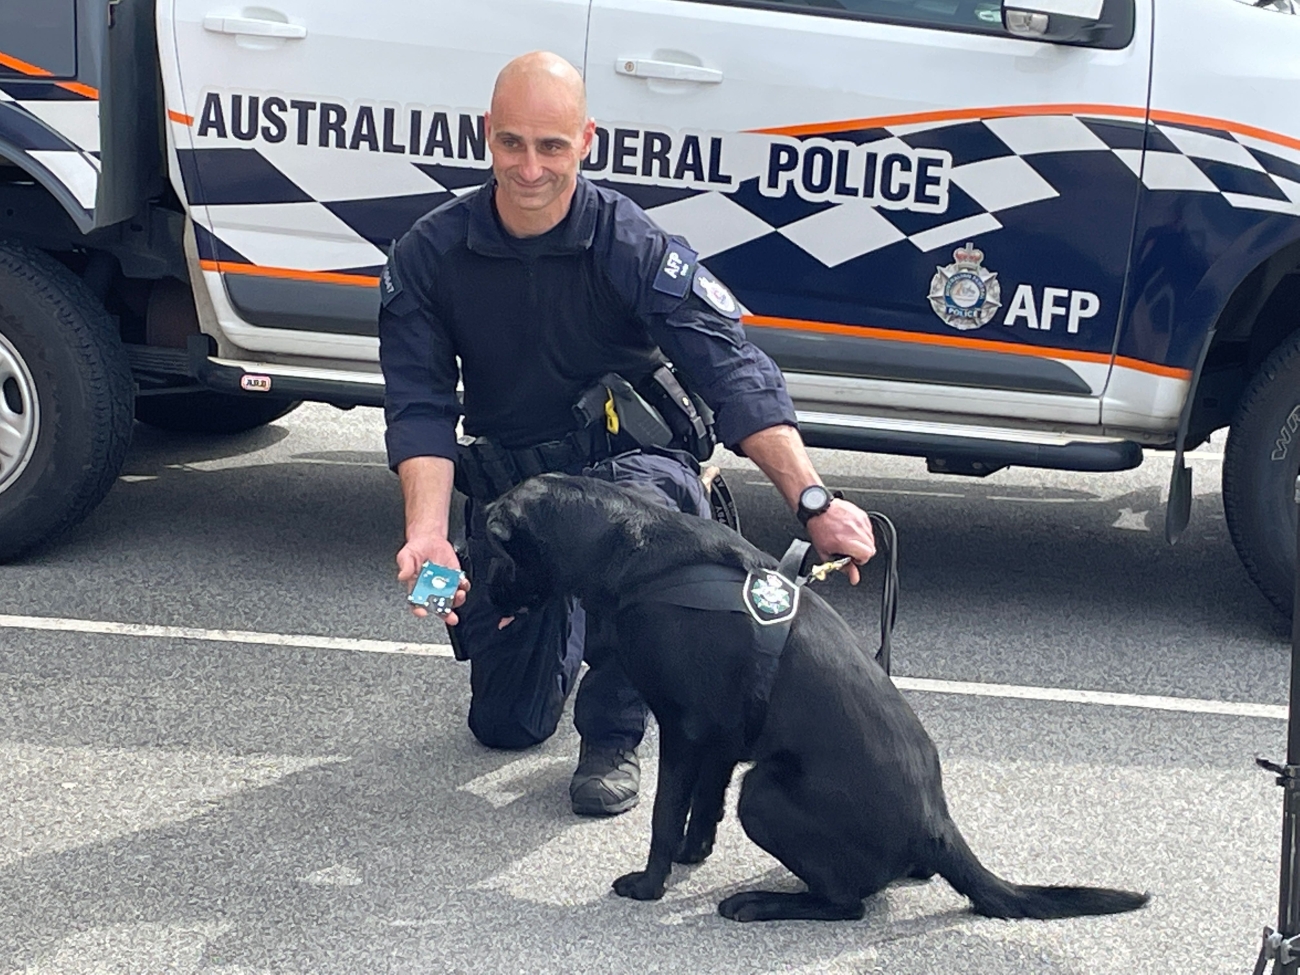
point(277, 207)
point(57, 128)
point(343, 218)
point(999, 164)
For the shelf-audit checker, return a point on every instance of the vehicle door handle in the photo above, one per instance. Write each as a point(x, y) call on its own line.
point(669, 70)
point(256, 28)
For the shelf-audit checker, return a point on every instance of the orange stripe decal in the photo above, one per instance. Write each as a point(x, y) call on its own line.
point(180, 117)
point(1141, 365)
point(1206, 122)
point(321, 277)
point(35, 71)
point(954, 342)
point(1008, 111)
point(952, 115)
point(22, 67)
point(76, 87)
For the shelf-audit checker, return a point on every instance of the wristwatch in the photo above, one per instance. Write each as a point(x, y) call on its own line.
point(813, 501)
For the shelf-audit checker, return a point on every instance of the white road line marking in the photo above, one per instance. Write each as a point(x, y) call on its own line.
point(223, 636)
point(919, 494)
point(1028, 500)
point(1187, 705)
point(759, 482)
point(508, 783)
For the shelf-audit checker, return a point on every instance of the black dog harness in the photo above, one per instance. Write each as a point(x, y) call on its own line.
point(770, 597)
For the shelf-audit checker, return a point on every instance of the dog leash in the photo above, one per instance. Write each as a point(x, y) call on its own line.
point(887, 539)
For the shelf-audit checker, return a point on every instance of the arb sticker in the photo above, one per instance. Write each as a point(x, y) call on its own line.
point(255, 384)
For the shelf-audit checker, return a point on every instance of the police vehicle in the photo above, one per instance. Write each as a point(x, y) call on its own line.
point(1053, 233)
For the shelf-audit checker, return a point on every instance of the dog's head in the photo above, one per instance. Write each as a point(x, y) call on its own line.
point(550, 534)
point(519, 575)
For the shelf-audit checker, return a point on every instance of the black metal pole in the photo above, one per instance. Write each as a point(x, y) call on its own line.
point(1287, 960)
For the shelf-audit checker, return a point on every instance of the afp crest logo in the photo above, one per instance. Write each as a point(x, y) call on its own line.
point(770, 597)
point(965, 294)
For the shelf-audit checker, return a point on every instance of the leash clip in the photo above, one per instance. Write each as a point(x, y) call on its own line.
point(820, 571)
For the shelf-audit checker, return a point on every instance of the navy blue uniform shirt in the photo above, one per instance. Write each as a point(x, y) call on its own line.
point(536, 321)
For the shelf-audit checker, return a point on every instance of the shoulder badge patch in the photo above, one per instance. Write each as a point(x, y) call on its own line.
point(390, 285)
point(770, 597)
point(965, 294)
point(675, 269)
point(715, 294)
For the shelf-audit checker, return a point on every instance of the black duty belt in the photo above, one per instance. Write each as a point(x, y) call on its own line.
point(770, 597)
point(486, 470)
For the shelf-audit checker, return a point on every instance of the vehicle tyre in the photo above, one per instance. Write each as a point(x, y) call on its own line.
point(207, 411)
point(65, 399)
point(1260, 466)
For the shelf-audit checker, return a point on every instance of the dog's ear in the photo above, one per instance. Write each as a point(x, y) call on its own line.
point(500, 518)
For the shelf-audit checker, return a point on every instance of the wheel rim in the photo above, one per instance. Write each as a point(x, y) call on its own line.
point(20, 419)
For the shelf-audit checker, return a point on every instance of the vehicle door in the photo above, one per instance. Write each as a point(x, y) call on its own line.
point(309, 134)
point(918, 211)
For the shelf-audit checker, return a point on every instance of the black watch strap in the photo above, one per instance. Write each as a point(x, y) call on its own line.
point(805, 514)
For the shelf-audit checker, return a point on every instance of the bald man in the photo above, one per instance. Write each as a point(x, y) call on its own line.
point(529, 290)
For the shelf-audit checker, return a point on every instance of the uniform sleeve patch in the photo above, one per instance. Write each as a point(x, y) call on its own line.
point(675, 270)
point(390, 283)
point(715, 294)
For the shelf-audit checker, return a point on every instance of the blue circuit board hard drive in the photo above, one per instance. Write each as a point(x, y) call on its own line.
point(435, 587)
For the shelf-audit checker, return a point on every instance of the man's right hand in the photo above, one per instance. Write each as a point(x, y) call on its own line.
point(413, 555)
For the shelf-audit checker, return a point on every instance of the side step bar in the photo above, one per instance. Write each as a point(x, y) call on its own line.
point(160, 371)
point(953, 448)
point(949, 448)
point(337, 386)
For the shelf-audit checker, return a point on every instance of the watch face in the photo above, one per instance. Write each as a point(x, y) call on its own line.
point(814, 498)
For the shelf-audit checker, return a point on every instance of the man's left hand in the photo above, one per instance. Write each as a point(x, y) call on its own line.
point(843, 529)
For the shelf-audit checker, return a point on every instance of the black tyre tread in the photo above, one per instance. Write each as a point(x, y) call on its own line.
point(94, 341)
point(1282, 359)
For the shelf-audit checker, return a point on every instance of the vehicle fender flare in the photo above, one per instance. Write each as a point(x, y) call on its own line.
point(1213, 293)
point(1246, 254)
point(53, 184)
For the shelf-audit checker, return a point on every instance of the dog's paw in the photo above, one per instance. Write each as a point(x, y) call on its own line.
point(694, 850)
point(742, 906)
point(640, 886)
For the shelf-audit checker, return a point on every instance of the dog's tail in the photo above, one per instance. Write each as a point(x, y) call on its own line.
point(992, 896)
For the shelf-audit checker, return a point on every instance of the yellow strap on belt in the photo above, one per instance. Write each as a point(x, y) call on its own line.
point(611, 414)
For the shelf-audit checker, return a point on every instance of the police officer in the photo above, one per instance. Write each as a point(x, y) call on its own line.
point(529, 289)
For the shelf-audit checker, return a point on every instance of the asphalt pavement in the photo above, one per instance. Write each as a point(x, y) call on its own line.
point(226, 748)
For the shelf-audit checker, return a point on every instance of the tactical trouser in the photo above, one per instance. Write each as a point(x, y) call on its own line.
point(521, 676)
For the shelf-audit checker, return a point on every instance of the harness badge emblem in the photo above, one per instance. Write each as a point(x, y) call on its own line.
point(965, 294)
point(770, 597)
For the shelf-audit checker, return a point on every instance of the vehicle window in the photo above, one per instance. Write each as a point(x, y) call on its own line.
point(979, 16)
point(40, 34)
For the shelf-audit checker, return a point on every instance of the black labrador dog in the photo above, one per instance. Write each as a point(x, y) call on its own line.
point(845, 789)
